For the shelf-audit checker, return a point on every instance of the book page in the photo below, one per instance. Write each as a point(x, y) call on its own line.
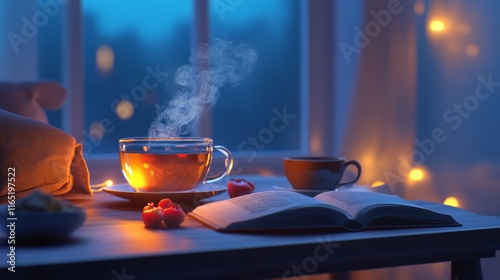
point(353, 201)
point(223, 213)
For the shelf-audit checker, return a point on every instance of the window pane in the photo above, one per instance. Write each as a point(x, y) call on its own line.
point(261, 113)
point(49, 62)
point(132, 49)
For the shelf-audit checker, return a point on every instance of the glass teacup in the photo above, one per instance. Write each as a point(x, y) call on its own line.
point(170, 164)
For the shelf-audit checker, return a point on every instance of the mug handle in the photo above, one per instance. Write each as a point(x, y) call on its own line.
point(228, 164)
point(358, 166)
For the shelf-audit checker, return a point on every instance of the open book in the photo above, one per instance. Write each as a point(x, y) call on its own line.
point(349, 210)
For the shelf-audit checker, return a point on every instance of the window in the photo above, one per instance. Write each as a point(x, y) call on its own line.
point(130, 59)
point(120, 64)
point(262, 113)
point(138, 50)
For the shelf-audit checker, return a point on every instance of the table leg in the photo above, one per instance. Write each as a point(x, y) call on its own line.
point(469, 269)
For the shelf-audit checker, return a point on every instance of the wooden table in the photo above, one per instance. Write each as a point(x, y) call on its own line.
point(113, 244)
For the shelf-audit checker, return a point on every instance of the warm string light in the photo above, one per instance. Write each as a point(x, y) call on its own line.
point(378, 183)
point(463, 28)
point(437, 26)
point(99, 187)
point(451, 201)
point(416, 174)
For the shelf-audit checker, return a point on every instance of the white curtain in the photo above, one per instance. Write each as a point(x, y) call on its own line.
point(381, 123)
point(408, 83)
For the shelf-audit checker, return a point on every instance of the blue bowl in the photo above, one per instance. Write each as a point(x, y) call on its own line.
point(41, 225)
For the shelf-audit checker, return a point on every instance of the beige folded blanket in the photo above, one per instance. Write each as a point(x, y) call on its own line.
point(42, 157)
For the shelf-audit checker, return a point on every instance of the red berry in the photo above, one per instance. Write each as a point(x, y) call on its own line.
point(251, 185)
point(173, 216)
point(150, 206)
point(240, 186)
point(165, 203)
point(152, 218)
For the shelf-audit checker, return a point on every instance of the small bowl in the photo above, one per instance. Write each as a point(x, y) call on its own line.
point(41, 225)
point(317, 173)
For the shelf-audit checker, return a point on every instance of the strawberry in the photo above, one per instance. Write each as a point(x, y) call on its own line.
point(173, 216)
point(152, 218)
point(240, 186)
point(165, 203)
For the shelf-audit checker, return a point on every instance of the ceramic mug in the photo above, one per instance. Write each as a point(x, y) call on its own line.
point(318, 173)
point(169, 164)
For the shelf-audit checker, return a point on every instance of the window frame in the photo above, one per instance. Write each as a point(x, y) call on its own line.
point(316, 92)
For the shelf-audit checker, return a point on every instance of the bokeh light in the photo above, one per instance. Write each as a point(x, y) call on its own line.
point(124, 110)
point(437, 26)
point(99, 187)
point(378, 183)
point(419, 8)
point(105, 59)
point(416, 174)
point(451, 201)
point(472, 50)
point(96, 130)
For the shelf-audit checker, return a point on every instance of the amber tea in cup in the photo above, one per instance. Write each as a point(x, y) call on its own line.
point(169, 164)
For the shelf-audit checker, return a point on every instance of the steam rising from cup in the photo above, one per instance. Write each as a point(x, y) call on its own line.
point(211, 67)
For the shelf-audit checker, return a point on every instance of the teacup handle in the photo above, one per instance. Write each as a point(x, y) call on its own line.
point(358, 166)
point(228, 164)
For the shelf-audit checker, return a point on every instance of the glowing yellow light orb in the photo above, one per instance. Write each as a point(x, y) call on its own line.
point(451, 201)
point(416, 174)
point(472, 50)
point(124, 110)
point(108, 183)
point(436, 26)
point(378, 183)
point(105, 58)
